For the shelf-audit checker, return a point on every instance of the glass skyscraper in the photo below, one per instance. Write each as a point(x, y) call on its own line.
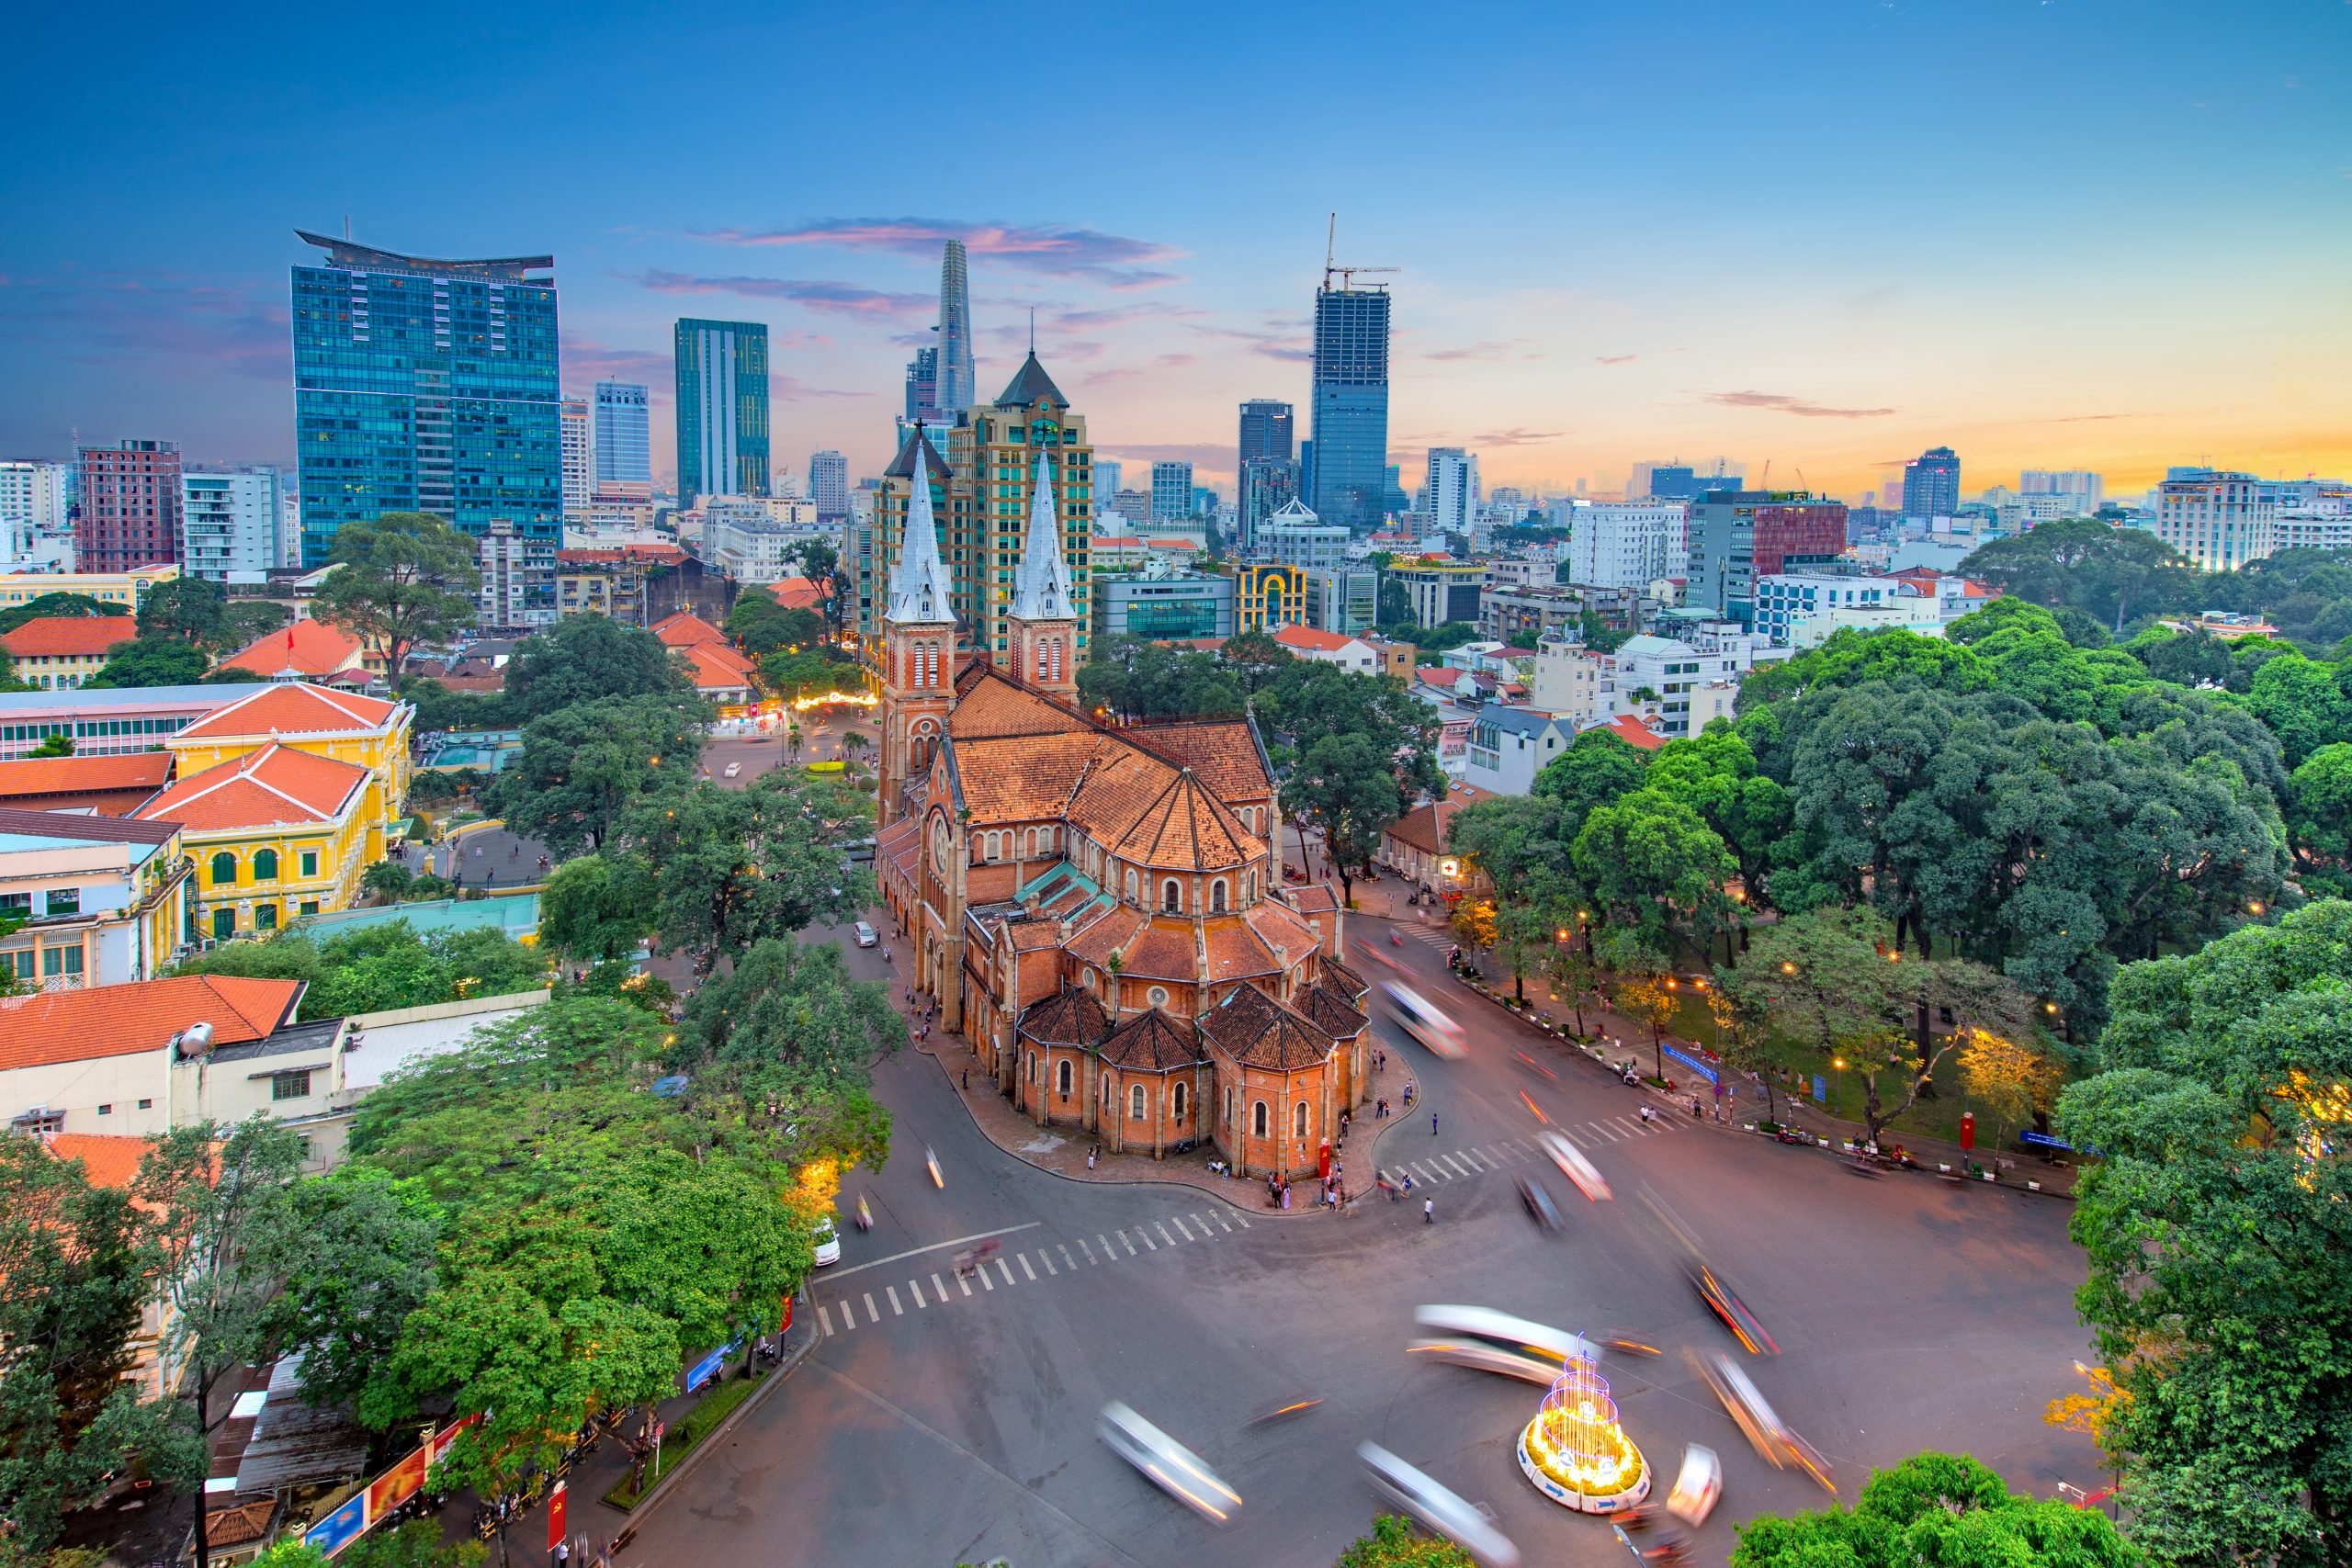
point(722, 408)
point(623, 433)
point(959, 377)
point(1351, 405)
point(428, 386)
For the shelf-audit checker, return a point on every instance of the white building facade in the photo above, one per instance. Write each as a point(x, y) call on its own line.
point(1625, 544)
point(578, 449)
point(232, 523)
point(37, 493)
point(1453, 491)
point(2220, 521)
point(758, 541)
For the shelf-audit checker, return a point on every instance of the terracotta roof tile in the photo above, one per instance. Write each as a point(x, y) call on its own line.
point(140, 1015)
point(1152, 1042)
point(1634, 732)
point(1277, 926)
point(74, 776)
point(1332, 1012)
point(1350, 984)
point(1094, 941)
point(1220, 751)
point(717, 666)
point(1236, 952)
point(294, 708)
point(993, 706)
point(1187, 829)
point(311, 647)
point(107, 1160)
point(1312, 640)
point(274, 786)
point(1067, 1018)
point(1162, 950)
point(686, 630)
point(1258, 1031)
point(69, 637)
point(94, 830)
point(1314, 899)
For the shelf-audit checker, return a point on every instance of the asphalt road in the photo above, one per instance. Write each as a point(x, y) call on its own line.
point(944, 1421)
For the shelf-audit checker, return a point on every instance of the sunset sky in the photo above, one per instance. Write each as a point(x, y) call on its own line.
point(2045, 232)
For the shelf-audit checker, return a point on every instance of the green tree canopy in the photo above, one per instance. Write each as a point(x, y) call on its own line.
point(1937, 1510)
point(2109, 572)
point(402, 579)
point(586, 764)
point(586, 658)
point(153, 661)
point(731, 866)
point(378, 968)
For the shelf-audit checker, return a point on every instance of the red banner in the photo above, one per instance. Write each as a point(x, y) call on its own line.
point(398, 1484)
point(555, 1517)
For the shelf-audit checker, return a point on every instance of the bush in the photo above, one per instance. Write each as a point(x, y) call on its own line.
point(698, 1423)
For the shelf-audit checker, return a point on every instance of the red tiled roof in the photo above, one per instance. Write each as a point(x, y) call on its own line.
point(1314, 641)
point(307, 646)
point(107, 1160)
point(274, 786)
point(686, 630)
point(1151, 1043)
point(717, 667)
point(81, 775)
point(85, 636)
point(140, 1015)
point(294, 708)
point(1258, 1031)
point(1348, 983)
point(1067, 1018)
point(1634, 732)
point(90, 828)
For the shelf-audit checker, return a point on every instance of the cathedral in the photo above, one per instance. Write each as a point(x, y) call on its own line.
point(1099, 909)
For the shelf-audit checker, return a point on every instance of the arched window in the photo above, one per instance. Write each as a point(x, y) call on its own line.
point(224, 869)
point(1301, 1119)
point(1135, 1102)
point(1131, 884)
point(1216, 896)
point(1061, 1080)
point(1257, 1119)
point(1176, 1102)
point(264, 865)
point(1171, 897)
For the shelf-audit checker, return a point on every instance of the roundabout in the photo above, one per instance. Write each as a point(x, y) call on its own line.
point(1574, 1451)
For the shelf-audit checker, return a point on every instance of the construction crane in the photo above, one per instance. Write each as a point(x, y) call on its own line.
point(1347, 274)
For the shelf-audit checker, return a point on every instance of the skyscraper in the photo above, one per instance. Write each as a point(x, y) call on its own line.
point(1452, 491)
point(1265, 432)
point(958, 377)
point(722, 408)
point(1267, 485)
point(1931, 484)
point(130, 506)
point(624, 435)
point(1349, 412)
point(579, 458)
point(923, 389)
point(1171, 492)
point(829, 484)
point(423, 385)
point(1106, 476)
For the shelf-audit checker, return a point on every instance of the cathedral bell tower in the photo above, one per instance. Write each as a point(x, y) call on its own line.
point(1041, 645)
point(918, 649)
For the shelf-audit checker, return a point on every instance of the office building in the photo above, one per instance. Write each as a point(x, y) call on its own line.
point(959, 379)
point(1678, 481)
point(233, 524)
point(922, 401)
point(624, 438)
point(1453, 491)
point(1441, 591)
point(1343, 599)
point(829, 484)
point(1265, 433)
point(1737, 536)
point(1266, 486)
point(722, 408)
point(2220, 520)
point(1106, 477)
point(1931, 484)
point(578, 449)
point(1171, 492)
point(130, 506)
point(2079, 491)
point(760, 543)
point(37, 493)
point(1785, 599)
point(1296, 536)
point(1349, 414)
point(1173, 606)
point(1624, 543)
point(425, 384)
point(105, 723)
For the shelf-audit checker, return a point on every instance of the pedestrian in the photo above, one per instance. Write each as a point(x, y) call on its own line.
point(1429, 1210)
point(1432, 1123)
point(1090, 1159)
point(968, 1080)
point(1695, 1116)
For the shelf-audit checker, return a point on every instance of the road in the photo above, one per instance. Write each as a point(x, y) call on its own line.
point(942, 1421)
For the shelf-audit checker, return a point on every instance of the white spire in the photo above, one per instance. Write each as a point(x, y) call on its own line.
point(1042, 592)
point(918, 592)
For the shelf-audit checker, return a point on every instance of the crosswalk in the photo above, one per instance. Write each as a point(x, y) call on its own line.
point(927, 1290)
point(1477, 1159)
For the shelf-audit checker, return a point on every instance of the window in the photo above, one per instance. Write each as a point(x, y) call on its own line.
point(1171, 897)
point(1135, 1102)
point(309, 906)
point(146, 1105)
point(61, 963)
point(224, 924)
point(1131, 884)
point(1176, 1102)
point(289, 1085)
point(264, 865)
point(264, 917)
point(224, 869)
point(1061, 1080)
point(105, 1109)
point(15, 906)
point(1216, 896)
point(1257, 1119)
point(1157, 996)
point(64, 901)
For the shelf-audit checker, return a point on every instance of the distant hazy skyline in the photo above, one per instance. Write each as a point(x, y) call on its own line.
point(2045, 232)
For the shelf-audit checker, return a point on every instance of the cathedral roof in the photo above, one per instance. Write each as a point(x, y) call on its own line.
point(1068, 1018)
point(919, 594)
point(1186, 828)
point(1151, 1043)
point(1031, 385)
point(1224, 752)
point(1332, 1012)
point(1350, 983)
point(1258, 1031)
point(989, 706)
point(902, 467)
point(1042, 591)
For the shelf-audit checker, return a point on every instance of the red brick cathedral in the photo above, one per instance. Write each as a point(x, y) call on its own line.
point(1102, 910)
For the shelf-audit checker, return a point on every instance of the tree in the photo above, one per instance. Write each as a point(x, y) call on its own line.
point(416, 1544)
point(2319, 819)
point(732, 866)
point(1651, 1002)
point(1511, 838)
point(598, 907)
point(41, 605)
point(1255, 659)
point(2010, 1078)
point(75, 1269)
point(219, 1205)
point(152, 661)
point(1345, 787)
point(1715, 774)
point(2214, 1225)
point(357, 1254)
point(1394, 1543)
point(2306, 704)
point(2108, 572)
point(1573, 972)
point(1656, 868)
point(759, 625)
point(587, 659)
point(388, 880)
point(1941, 1509)
point(185, 609)
point(1596, 769)
point(1523, 937)
point(788, 1004)
point(244, 622)
point(381, 968)
point(583, 766)
point(402, 579)
point(59, 745)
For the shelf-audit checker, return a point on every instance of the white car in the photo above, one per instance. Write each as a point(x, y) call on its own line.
point(867, 935)
point(829, 1243)
point(733, 769)
point(1573, 1165)
point(1438, 1510)
point(1698, 1487)
point(1167, 1464)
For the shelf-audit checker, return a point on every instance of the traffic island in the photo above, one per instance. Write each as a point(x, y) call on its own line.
point(1574, 1451)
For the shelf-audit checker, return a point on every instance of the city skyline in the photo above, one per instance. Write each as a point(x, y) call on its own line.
point(1547, 318)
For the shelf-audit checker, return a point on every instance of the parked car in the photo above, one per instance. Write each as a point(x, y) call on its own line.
point(829, 1243)
point(867, 935)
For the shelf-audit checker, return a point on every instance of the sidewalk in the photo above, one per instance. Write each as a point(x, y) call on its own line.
point(1061, 1150)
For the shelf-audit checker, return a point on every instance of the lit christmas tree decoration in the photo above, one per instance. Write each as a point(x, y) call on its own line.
point(1576, 1452)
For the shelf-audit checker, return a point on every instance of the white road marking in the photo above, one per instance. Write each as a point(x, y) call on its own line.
point(941, 1290)
point(1149, 1244)
point(1427, 1174)
point(1126, 1241)
point(1069, 1259)
point(984, 1277)
point(962, 1283)
point(1047, 1259)
point(1221, 1220)
point(1180, 1226)
point(1163, 1231)
point(1027, 1270)
point(892, 1292)
point(1008, 1271)
point(826, 1318)
point(873, 1313)
point(1244, 1219)
point(1108, 1250)
point(837, 1272)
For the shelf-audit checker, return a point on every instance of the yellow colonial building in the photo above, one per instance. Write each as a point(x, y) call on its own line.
point(284, 799)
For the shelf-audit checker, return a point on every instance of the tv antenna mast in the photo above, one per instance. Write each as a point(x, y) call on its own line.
point(1347, 274)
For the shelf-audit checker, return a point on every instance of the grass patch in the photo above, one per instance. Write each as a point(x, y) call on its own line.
point(685, 1432)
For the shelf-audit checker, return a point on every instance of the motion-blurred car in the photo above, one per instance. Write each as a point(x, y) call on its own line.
point(1490, 1341)
point(1166, 1463)
point(1754, 1416)
point(1537, 1201)
point(1734, 1312)
point(1573, 1165)
point(1438, 1510)
point(1425, 1022)
point(1698, 1486)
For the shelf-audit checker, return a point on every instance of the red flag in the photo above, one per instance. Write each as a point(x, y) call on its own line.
point(555, 1517)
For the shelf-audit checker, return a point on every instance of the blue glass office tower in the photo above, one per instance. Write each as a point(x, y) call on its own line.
point(1351, 405)
point(722, 408)
point(623, 433)
point(429, 386)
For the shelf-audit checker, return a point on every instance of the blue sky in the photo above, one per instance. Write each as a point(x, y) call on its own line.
point(2047, 233)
